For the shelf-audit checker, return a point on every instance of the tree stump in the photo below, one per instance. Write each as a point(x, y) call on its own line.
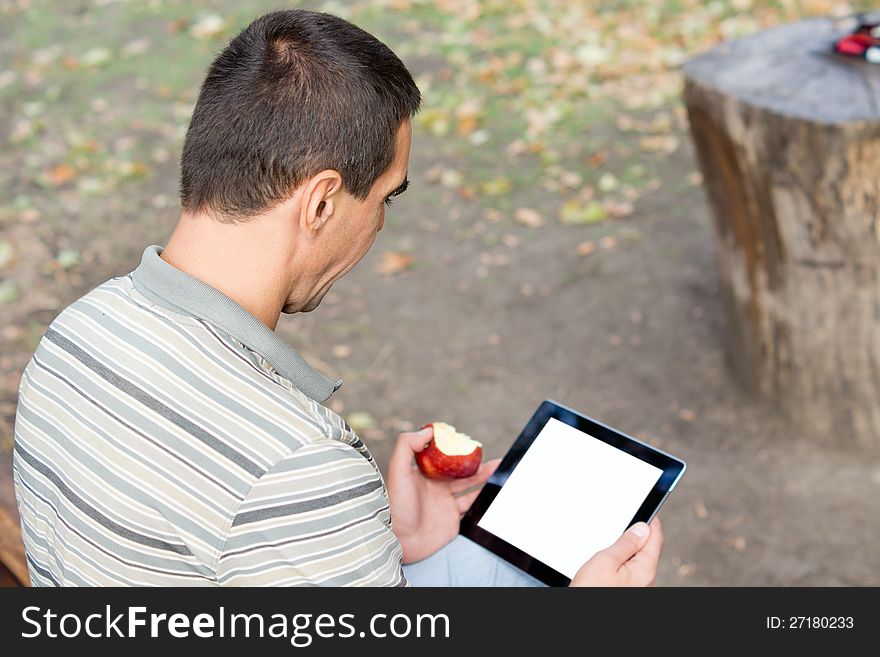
point(787, 136)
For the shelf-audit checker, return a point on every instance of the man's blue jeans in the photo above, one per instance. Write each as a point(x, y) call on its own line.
point(464, 563)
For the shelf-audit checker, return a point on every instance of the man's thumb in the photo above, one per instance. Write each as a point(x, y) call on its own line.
point(632, 540)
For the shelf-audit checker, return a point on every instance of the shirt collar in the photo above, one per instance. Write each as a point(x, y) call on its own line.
point(170, 287)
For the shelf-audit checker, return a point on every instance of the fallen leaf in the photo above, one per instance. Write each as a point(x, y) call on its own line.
point(496, 186)
point(7, 78)
point(574, 213)
point(467, 116)
point(398, 424)
point(162, 201)
point(618, 209)
point(91, 185)
point(177, 25)
point(494, 216)
point(24, 129)
point(374, 435)
point(626, 123)
point(132, 170)
point(517, 148)
point(433, 174)
point(586, 248)
point(136, 47)
point(394, 262)
point(597, 159)
point(571, 179)
point(467, 192)
point(608, 242)
point(208, 26)
point(636, 171)
point(608, 182)
point(528, 217)
point(701, 510)
point(7, 253)
point(61, 174)
point(341, 351)
point(686, 569)
point(450, 178)
point(435, 120)
point(479, 137)
point(360, 421)
point(96, 57)
point(8, 291)
point(738, 543)
point(664, 144)
point(687, 415)
point(67, 258)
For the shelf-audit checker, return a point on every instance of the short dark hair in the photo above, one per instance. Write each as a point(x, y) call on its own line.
point(296, 92)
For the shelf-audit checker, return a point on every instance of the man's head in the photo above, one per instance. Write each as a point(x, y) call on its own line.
point(306, 116)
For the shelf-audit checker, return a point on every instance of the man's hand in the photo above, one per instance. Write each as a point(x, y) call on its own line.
point(631, 561)
point(425, 513)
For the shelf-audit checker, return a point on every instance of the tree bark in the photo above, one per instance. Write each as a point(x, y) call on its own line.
point(787, 136)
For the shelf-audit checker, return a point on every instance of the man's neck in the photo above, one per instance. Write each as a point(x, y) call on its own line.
point(235, 259)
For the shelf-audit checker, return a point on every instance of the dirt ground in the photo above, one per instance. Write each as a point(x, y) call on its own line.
point(484, 317)
point(636, 340)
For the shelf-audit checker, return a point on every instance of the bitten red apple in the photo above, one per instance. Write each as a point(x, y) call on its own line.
point(449, 454)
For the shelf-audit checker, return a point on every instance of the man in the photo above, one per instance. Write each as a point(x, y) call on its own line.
point(165, 435)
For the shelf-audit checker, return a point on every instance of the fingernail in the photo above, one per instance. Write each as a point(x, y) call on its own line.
point(640, 529)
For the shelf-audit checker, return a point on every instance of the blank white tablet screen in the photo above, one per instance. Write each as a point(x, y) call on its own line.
point(570, 496)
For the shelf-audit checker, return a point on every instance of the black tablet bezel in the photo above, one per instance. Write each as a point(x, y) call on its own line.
point(672, 468)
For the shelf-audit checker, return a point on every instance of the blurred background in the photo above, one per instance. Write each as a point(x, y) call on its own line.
point(555, 242)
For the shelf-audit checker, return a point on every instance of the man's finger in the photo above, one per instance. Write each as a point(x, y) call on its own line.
point(479, 477)
point(649, 555)
point(464, 501)
point(632, 540)
point(408, 443)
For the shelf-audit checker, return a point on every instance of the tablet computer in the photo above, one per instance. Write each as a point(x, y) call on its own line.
point(567, 488)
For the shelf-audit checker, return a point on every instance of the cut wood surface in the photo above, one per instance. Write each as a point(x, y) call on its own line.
point(787, 136)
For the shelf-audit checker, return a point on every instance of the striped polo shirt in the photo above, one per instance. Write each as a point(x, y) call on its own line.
point(165, 436)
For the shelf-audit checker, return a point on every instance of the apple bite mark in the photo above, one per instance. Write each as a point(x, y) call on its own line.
point(449, 454)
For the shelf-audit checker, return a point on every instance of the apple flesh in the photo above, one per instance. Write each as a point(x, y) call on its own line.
point(449, 454)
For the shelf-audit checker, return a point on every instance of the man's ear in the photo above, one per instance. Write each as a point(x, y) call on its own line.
point(320, 199)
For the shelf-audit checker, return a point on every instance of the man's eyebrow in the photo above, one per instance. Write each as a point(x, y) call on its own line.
point(401, 188)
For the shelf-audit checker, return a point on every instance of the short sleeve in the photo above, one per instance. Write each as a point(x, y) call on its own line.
point(318, 517)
